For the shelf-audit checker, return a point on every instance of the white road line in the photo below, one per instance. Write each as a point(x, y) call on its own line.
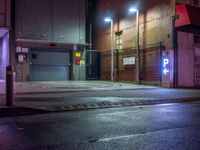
point(115, 138)
point(140, 134)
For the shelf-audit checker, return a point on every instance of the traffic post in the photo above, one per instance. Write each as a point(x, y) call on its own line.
point(9, 86)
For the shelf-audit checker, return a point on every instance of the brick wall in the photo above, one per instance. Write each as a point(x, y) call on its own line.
point(149, 65)
point(155, 28)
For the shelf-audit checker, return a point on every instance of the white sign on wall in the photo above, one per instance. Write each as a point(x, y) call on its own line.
point(21, 49)
point(18, 49)
point(25, 50)
point(129, 61)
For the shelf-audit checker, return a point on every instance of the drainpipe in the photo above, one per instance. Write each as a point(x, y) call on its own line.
point(161, 50)
point(175, 48)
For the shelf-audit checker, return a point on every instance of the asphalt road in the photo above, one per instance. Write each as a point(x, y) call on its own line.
point(153, 127)
point(63, 98)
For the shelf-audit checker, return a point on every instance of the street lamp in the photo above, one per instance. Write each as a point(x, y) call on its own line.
point(111, 45)
point(132, 10)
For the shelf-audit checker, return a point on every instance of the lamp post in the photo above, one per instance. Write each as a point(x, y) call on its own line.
point(137, 44)
point(111, 45)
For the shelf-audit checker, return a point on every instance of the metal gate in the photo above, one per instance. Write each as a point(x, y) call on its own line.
point(197, 68)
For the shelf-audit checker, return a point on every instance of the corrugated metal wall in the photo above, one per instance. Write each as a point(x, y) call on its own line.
point(56, 20)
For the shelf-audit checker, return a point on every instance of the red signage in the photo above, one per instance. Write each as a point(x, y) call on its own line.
point(78, 61)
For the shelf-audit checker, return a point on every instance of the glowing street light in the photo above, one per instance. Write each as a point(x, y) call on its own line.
point(132, 10)
point(108, 19)
point(111, 45)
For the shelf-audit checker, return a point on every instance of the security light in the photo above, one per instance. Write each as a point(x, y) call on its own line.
point(133, 10)
point(107, 19)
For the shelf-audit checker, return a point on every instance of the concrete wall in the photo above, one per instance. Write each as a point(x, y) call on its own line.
point(4, 60)
point(4, 41)
point(1, 58)
point(56, 20)
point(5, 55)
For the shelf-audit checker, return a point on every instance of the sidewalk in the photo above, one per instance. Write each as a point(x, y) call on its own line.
point(82, 95)
point(31, 89)
point(73, 86)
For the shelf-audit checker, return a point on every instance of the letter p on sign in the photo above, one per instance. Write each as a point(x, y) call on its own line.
point(165, 62)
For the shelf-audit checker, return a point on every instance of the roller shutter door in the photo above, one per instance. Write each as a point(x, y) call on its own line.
point(49, 66)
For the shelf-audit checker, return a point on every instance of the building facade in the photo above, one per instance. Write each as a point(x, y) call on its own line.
point(5, 25)
point(168, 53)
point(49, 34)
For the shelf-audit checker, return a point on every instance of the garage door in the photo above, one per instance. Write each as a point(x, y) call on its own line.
point(49, 66)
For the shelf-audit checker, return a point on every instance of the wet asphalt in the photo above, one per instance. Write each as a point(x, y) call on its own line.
point(154, 127)
point(122, 118)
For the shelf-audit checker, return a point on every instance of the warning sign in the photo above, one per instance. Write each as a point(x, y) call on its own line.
point(82, 62)
point(77, 54)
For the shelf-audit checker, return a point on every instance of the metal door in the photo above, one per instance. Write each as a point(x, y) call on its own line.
point(92, 65)
point(49, 66)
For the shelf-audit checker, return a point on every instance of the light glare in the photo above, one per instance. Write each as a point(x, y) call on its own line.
point(107, 20)
point(133, 10)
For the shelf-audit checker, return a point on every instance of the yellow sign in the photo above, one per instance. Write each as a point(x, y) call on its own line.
point(82, 62)
point(78, 54)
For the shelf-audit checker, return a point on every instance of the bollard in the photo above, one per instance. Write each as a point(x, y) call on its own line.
point(9, 86)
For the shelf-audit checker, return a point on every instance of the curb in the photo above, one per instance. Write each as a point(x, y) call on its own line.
point(102, 105)
point(24, 110)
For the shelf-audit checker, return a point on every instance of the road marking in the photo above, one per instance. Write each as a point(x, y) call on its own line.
point(140, 134)
point(116, 138)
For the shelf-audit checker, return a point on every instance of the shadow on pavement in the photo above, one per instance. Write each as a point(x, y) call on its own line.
point(20, 111)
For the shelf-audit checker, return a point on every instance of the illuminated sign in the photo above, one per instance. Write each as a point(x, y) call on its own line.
point(78, 54)
point(78, 57)
point(82, 62)
point(166, 66)
point(77, 61)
